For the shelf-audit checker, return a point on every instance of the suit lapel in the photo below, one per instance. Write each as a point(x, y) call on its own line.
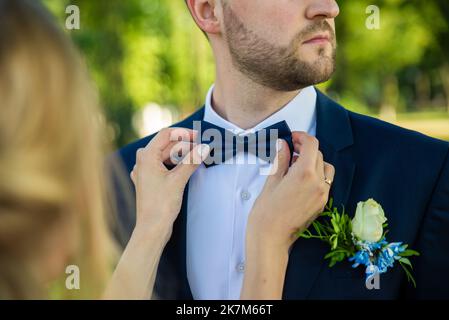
point(334, 133)
point(335, 136)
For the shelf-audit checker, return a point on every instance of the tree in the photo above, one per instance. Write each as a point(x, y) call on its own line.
point(139, 52)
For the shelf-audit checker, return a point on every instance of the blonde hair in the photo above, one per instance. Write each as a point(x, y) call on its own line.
point(50, 153)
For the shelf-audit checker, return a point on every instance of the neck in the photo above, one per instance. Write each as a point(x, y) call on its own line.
point(244, 102)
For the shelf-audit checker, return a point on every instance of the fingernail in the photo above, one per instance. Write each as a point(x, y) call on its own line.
point(203, 150)
point(279, 145)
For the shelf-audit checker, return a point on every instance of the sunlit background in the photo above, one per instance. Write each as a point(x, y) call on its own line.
point(153, 66)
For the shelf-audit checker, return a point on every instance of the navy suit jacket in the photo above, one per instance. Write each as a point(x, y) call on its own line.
point(405, 171)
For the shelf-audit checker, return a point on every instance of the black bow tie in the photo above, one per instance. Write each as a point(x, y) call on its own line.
point(225, 144)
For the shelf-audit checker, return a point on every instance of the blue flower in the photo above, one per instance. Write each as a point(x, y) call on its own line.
point(377, 256)
point(361, 257)
point(388, 255)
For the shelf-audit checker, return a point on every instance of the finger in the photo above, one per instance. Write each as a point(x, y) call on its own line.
point(320, 165)
point(168, 135)
point(329, 172)
point(295, 158)
point(176, 151)
point(296, 146)
point(296, 137)
point(190, 163)
point(183, 134)
point(280, 164)
point(307, 148)
point(133, 175)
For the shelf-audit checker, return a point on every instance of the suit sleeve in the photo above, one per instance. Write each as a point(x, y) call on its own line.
point(431, 268)
point(121, 197)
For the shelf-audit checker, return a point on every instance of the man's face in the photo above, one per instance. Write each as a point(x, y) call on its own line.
point(283, 44)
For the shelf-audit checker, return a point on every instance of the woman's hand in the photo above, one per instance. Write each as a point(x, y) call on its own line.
point(159, 194)
point(159, 191)
point(291, 199)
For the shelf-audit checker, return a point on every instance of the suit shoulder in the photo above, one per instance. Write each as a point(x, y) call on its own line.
point(366, 127)
point(127, 154)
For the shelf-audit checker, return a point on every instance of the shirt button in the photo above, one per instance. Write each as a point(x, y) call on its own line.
point(245, 195)
point(241, 267)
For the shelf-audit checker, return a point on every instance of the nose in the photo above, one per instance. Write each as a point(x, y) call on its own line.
point(324, 9)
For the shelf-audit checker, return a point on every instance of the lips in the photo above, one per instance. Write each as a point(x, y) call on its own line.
point(321, 38)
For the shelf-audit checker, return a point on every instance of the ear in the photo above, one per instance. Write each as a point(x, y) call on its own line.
point(204, 13)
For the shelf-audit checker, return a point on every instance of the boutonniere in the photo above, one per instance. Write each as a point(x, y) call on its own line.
point(361, 240)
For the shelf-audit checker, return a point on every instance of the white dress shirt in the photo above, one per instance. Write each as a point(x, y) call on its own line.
point(220, 199)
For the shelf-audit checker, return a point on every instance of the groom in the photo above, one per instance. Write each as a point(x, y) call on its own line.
point(269, 54)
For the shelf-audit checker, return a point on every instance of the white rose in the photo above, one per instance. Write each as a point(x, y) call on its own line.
point(368, 221)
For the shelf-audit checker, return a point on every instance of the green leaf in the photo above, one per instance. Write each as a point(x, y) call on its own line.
point(332, 263)
point(337, 253)
point(335, 225)
point(408, 274)
point(406, 261)
point(329, 255)
point(409, 253)
point(317, 228)
point(334, 240)
point(330, 203)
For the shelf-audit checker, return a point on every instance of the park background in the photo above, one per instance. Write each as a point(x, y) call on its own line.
point(153, 66)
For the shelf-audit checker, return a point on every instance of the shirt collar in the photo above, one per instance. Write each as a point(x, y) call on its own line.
point(299, 113)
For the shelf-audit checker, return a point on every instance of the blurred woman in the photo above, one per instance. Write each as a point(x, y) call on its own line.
point(52, 210)
point(53, 202)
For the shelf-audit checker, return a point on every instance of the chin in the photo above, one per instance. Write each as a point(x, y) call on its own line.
point(324, 75)
point(322, 64)
point(322, 71)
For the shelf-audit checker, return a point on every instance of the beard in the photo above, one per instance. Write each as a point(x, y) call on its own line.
point(278, 67)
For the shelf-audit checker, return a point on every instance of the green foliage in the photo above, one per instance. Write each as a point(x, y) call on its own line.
point(336, 231)
point(407, 265)
point(142, 51)
point(398, 65)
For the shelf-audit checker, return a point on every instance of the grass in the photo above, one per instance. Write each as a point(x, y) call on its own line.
point(428, 115)
point(434, 124)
